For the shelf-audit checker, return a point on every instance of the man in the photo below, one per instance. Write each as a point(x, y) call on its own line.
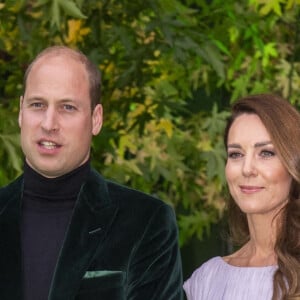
point(66, 232)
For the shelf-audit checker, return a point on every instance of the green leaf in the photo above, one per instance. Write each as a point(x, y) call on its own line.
point(222, 47)
point(167, 89)
point(272, 5)
point(9, 143)
point(42, 2)
point(71, 9)
point(212, 55)
point(79, 3)
point(55, 14)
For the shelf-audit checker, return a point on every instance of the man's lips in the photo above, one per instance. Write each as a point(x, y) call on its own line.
point(48, 144)
point(249, 189)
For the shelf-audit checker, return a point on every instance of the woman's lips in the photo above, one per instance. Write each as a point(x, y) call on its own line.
point(250, 189)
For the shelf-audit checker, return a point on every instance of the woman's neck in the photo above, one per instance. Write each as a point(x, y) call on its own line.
point(259, 251)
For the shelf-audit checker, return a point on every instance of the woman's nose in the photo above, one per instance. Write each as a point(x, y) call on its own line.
point(249, 167)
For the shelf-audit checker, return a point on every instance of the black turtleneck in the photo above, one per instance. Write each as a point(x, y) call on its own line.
point(47, 206)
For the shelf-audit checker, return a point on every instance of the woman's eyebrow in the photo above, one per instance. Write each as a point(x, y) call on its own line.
point(256, 145)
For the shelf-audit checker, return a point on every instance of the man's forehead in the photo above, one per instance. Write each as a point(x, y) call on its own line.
point(56, 60)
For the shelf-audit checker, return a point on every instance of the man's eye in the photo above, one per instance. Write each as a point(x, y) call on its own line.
point(36, 104)
point(69, 107)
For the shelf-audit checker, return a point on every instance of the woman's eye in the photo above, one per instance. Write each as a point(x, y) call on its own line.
point(234, 155)
point(267, 153)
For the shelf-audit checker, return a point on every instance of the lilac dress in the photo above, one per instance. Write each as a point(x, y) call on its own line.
point(217, 280)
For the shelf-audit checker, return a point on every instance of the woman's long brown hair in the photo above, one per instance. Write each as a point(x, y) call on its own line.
point(282, 121)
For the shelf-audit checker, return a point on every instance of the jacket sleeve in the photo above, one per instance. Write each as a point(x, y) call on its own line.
point(155, 271)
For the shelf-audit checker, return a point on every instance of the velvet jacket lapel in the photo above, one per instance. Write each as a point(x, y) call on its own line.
point(91, 220)
point(92, 217)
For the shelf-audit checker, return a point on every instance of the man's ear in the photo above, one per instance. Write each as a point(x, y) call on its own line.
point(97, 119)
point(20, 111)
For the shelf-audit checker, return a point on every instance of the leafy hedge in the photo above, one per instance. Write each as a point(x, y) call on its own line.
point(170, 70)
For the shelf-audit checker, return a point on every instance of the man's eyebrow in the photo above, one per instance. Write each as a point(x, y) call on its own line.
point(39, 98)
point(34, 98)
point(65, 100)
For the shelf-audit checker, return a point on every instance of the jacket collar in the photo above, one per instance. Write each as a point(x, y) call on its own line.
point(90, 223)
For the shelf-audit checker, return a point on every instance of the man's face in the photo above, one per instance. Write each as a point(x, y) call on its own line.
point(55, 116)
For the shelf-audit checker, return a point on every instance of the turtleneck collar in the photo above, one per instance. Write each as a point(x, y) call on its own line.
point(62, 188)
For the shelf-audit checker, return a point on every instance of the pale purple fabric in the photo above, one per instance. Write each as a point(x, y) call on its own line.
point(217, 280)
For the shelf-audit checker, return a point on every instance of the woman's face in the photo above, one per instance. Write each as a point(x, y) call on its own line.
point(257, 180)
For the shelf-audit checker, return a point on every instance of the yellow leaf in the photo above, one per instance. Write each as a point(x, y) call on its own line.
point(167, 126)
point(139, 110)
point(156, 53)
point(76, 31)
point(204, 145)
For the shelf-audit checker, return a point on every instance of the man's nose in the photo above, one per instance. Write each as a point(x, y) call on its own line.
point(50, 120)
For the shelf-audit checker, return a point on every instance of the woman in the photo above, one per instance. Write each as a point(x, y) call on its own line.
point(262, 139)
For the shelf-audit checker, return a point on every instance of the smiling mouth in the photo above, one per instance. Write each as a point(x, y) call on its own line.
point(49, 145)
point(250, 189)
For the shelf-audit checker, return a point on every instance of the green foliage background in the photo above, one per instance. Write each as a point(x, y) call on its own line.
point(170, 70)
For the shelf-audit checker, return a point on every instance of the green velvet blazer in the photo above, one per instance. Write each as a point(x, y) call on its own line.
point(120, 244)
